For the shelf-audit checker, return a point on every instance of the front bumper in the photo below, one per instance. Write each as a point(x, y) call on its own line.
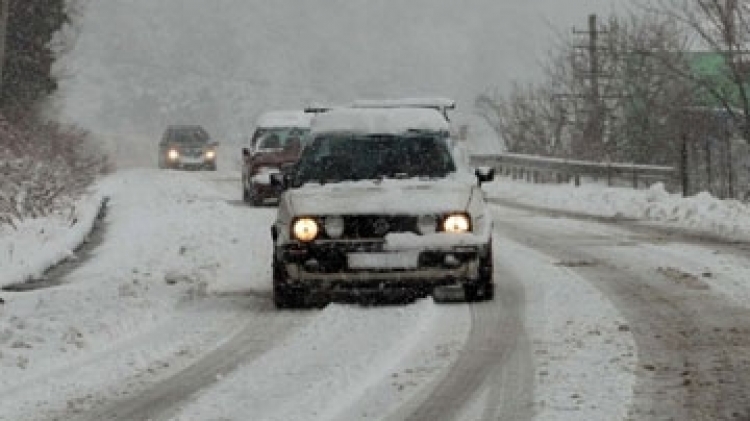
point(265, 191)
point(329, 266)
point(191, 165)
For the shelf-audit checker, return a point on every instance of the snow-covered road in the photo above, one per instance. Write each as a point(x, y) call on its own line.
point(171, 319)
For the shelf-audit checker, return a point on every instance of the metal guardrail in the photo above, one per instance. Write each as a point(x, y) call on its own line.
point(539, 169)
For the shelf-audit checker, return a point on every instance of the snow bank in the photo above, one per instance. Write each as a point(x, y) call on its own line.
point(702, 212)
point(38, 244)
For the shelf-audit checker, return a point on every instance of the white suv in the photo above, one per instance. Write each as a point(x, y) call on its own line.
point(378, 203)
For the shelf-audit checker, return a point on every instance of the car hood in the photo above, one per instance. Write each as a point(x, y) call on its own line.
point(410, 197)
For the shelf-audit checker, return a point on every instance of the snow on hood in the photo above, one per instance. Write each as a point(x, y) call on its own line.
point(379, 121)
point(411, 197)
point(290, 118)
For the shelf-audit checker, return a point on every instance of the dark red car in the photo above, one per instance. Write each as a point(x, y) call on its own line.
point(278, 139)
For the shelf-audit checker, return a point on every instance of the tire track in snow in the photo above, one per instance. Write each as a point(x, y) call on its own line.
point(495, 367)
point(692, 343)
point(262, 331)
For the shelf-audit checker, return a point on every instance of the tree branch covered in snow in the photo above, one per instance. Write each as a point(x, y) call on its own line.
point(44, 166)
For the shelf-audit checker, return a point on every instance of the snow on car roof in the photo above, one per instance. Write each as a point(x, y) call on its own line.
point(437, 103)
point(379, 120)
point(286, 118)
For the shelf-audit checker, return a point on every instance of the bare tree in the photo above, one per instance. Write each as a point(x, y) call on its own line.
point(636, 104)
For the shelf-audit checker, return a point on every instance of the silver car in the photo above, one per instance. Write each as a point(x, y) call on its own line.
point(377, 203)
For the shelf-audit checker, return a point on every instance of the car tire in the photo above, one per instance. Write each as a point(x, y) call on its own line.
point(284, 296)
point(252, 198)
point(245, 194)
point(484, 288)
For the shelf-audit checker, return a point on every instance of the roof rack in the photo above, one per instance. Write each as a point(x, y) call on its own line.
point(440, 104)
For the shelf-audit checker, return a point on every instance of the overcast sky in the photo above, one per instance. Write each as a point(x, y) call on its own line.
point(140, 64)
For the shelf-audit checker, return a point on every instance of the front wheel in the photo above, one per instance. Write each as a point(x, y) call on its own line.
point(284, 296)
point(484, 288)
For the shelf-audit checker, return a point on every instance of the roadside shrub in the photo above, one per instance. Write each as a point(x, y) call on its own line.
point(44, 167)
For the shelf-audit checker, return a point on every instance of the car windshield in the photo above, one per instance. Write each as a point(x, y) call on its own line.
point(279, 137)
point(333, 158)
point(192, 135)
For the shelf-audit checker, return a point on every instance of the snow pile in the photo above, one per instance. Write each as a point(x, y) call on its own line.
point(37, 244)
point(701, 213)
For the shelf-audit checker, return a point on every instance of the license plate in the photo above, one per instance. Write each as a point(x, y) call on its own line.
point(189, 160)
point(403, 260)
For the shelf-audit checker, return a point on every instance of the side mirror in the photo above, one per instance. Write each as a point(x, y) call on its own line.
point(246, 152)
point(279, 179)
point(485, 174)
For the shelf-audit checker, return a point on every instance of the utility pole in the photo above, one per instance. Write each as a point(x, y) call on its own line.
point(592, 144)
point(594, 129)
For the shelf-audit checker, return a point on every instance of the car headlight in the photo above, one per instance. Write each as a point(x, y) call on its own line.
point(173, 154)
point(305, 229)
point(334, 226)
point(456, 223)
point(210, 154)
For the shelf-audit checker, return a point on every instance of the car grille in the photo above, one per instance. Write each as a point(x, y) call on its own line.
point(193, 152)
point(377, 226)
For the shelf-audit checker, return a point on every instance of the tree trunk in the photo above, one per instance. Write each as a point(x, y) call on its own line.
point(3, 31)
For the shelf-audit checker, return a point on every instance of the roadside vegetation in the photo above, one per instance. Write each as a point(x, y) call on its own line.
point(44, 164)
point(665, 83)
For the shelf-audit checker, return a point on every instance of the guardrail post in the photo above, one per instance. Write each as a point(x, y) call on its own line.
point(577, 180)
point(635, 179)
point(684, 167)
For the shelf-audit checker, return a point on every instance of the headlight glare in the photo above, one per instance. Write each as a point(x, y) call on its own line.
point(173, 154)
point(210, 154)
point(334, 226)
point(456, 224)
point(305, 229)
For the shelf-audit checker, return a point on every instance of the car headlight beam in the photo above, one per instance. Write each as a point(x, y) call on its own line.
point(173, 154)
point(456, 223)
point(305, 229)
point(210, 154)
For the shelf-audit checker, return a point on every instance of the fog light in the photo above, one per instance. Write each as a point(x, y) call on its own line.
point(427, 224)
point(334, 226)
point(451, 261)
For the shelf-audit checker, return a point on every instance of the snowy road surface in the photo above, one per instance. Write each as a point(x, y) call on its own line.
point(171, 319)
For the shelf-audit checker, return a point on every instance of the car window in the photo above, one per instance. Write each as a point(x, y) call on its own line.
point(355, 157)
point(280, 138)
